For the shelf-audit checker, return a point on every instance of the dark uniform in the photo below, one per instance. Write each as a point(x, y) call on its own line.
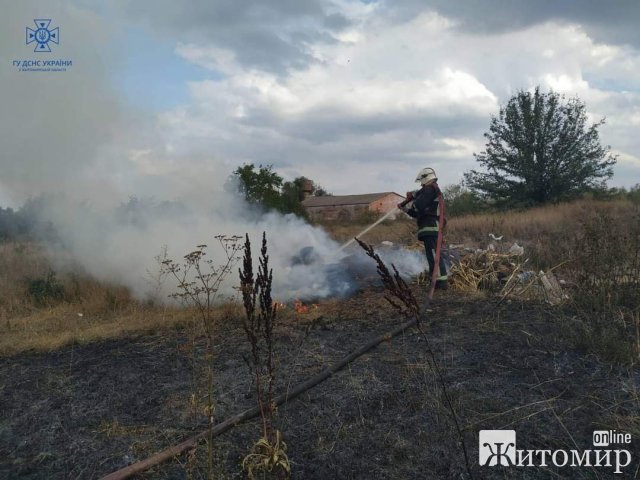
point(426, 210)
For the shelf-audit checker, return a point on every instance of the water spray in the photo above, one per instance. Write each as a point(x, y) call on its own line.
point(377, 222)
point(373, 225)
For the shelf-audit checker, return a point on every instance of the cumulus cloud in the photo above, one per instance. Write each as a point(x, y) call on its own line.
point(274, 36)
point(396, 93)
point(376, 89)
point(614, 23)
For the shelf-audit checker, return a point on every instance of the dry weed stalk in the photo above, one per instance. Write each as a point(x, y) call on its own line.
point(404, 301)
point(155, 279)
point(395, 285)
point(269, 452)
point(199, 283)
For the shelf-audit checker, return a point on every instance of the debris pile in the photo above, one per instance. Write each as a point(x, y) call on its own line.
point(504, 273)
point(483, 270)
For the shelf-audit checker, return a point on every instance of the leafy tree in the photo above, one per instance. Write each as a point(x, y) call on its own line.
point(541, 149)
point(292, 195)
point(261, 186)
point(264, 187)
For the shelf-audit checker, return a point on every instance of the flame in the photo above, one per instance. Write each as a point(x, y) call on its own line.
point(300, 307)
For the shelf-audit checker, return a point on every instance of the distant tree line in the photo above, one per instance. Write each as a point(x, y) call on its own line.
point(12, 224)
point(462, 200)
point(25, 222)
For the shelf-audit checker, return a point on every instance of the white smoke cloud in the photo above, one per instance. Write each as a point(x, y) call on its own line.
point(118, 245)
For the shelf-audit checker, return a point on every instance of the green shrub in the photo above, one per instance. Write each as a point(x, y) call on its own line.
point(45, 291)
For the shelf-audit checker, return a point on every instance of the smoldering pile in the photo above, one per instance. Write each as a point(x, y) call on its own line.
point(345, 272)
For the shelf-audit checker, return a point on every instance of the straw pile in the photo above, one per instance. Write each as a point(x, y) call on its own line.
point(504, 273)
point(485, 270)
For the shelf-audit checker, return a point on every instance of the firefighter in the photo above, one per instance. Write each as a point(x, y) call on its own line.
point(425, 208)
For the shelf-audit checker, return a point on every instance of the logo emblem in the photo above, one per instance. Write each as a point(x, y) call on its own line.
point(497, 447)
point(42, 35)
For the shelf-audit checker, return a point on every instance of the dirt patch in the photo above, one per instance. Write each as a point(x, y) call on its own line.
point(84, 411)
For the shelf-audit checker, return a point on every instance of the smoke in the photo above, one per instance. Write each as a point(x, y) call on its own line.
point(118, 244)
point(75, 135)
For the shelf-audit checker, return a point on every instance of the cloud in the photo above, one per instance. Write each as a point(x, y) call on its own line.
point(613, 23)
point(374, 91)
point(275, 36)
point(398, 94)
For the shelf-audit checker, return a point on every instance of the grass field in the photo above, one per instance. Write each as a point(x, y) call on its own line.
point(94, 379)
point(86, 310)
point(549, 233)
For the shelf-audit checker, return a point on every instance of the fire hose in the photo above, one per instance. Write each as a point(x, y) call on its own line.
point(169, 453)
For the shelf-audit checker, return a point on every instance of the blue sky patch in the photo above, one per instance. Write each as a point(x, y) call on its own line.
point(154, 76)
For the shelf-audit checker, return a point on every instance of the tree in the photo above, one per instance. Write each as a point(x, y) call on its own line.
point(459, 200)
point(261, 186)
point(541, 149)
point(292, 195)
point(266, 188)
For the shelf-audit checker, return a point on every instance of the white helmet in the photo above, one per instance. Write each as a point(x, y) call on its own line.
point(426, 175)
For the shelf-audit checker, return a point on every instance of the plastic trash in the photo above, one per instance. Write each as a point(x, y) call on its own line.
point(516, 249)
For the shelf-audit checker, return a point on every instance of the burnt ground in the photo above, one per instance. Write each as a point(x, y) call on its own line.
point(86, 410)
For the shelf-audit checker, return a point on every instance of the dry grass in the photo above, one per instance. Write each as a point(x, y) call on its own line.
point(18, 262)
point(593, 244)
point(54, 327)
point(547, 233)
point(484, 271)
point(87, 311)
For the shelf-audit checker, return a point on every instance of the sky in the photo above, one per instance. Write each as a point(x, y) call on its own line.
point(165, 98)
